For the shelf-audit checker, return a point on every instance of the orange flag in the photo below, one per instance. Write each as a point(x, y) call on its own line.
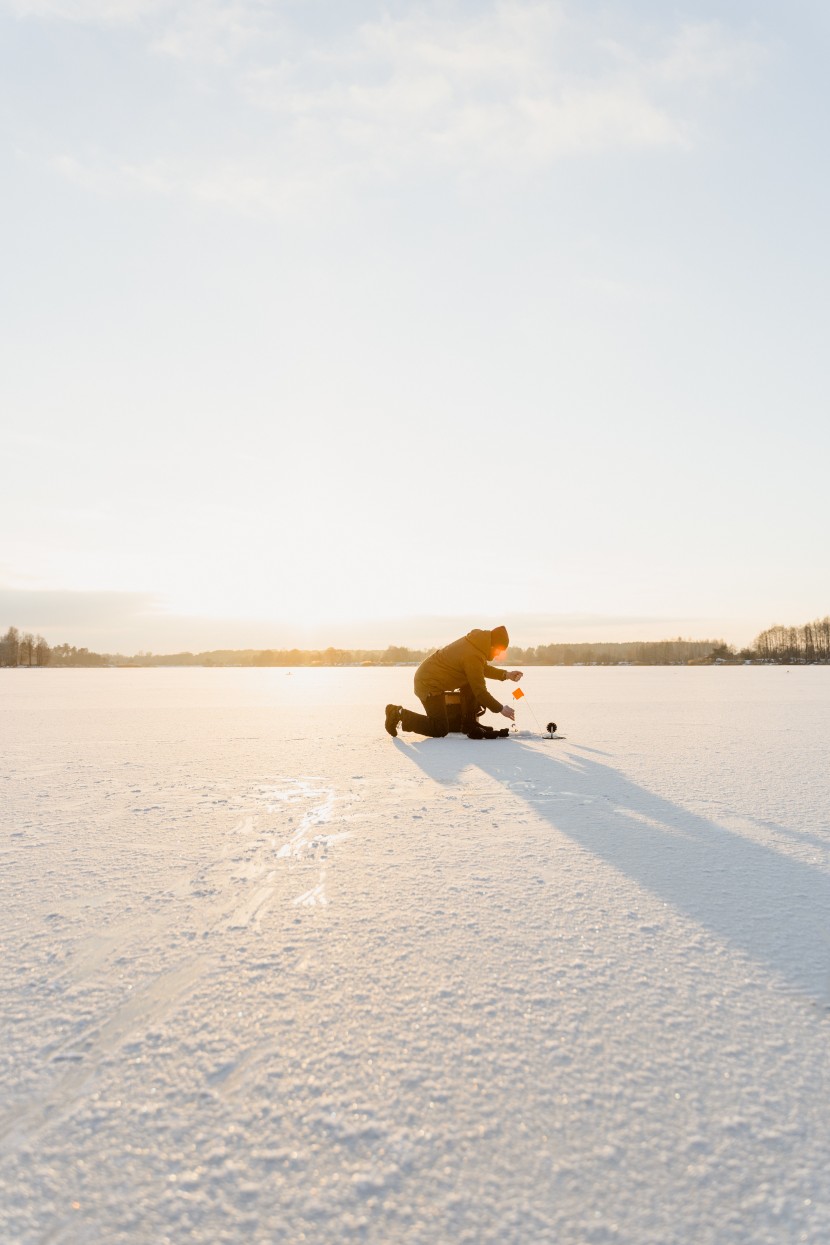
point(518, 694)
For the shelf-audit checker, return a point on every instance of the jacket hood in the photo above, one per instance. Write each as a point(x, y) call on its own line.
point(480, 640)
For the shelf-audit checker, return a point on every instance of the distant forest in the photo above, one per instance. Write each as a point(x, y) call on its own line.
point(788, 645)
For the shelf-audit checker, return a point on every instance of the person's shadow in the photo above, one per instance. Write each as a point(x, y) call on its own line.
point(772, 907)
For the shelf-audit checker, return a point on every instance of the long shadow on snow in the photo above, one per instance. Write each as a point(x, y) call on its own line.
point(772, 907)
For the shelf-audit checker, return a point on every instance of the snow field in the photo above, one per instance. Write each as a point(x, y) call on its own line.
point(269, 975)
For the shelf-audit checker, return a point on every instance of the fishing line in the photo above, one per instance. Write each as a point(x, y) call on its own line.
point(519, 695)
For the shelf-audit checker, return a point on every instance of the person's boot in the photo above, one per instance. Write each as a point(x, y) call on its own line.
point(393, 717)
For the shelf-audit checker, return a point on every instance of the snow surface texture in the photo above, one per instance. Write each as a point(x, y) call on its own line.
point(269, 975)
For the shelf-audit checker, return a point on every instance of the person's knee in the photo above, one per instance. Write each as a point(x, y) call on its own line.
point(441, 729)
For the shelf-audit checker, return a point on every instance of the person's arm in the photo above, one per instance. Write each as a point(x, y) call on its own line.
point(496, 672)
point(474, 669)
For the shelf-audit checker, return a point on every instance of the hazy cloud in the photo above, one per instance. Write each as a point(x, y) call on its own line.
point(218, 32)
point(510, 88)
point(130, 622)
point(36, 608)
point(705, 54)
point(98, 12)
point(86, 615)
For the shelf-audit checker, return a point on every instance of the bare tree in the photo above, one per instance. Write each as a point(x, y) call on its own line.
point(809, 643)
point(10, 647)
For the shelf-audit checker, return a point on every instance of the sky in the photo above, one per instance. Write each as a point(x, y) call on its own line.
point(366, 323)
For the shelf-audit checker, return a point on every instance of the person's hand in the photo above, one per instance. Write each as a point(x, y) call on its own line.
point(515, 675)
point(508, 712)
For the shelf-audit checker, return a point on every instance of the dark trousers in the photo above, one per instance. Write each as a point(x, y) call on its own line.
point(438, 721)
point(434, 723)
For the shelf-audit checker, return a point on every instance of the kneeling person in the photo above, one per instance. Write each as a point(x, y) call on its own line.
point(461, 666)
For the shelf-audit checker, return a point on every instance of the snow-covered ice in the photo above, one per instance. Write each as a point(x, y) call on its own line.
point(269, 975)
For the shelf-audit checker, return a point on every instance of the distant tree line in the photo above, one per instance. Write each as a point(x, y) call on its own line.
point(392, 656)
point(24, 649)
point(677, 652)
point(810, 643)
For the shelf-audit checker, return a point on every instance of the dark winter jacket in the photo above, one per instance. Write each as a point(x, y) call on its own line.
point(464, 661)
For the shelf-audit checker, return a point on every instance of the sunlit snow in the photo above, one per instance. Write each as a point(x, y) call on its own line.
point(269, 975)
